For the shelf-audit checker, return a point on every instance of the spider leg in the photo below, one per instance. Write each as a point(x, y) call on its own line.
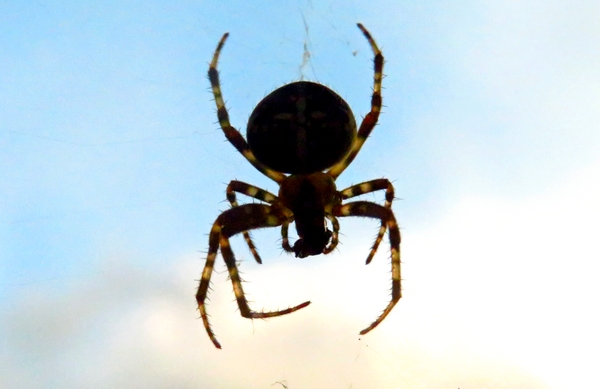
point(370, 120)
point(233, 221)
point(254, 192)
point(368, 187)
point(233, 135)
point(213, 248)
point(376, 211)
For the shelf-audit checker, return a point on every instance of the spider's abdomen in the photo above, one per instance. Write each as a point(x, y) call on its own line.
point(302, 127)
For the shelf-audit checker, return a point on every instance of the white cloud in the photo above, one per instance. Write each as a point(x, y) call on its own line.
point(496, 294)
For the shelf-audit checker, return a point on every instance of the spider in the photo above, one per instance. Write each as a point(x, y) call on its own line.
point(302, 136)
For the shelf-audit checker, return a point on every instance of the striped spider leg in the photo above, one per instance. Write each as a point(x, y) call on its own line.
point(368, 187)
point(233, 221)
point(376, 211)
point(233, 135)
point(254, 192)
point(370, 120)
point(367, 209)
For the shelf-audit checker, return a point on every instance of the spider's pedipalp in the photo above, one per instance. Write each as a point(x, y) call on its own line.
point(285, 240)
point(334, 235)
point(376, 211)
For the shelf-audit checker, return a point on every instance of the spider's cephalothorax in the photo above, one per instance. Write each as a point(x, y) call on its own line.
point(306, 130)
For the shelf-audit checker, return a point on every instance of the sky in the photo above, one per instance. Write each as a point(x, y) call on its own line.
point(113, 169)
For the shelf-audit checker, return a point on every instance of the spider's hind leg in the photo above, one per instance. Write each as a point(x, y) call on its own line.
point(233, 135)
point(371, 118)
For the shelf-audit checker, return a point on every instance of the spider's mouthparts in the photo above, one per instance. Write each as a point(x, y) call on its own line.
point(312, 245)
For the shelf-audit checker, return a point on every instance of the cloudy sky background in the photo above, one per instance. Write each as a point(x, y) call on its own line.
point(112, 170)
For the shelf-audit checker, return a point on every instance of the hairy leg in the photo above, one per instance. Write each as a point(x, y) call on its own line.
point(233, 135)
point(376, 211)
point(370, 120)
point(234, 221)
point(254, 192)
point(368, 187)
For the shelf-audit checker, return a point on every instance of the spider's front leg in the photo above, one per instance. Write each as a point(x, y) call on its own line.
point(233, 221)
point(376, 211)
point(254, 192)
point(368, 187)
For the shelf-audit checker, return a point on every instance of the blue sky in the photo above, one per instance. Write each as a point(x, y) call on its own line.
point(112, 169)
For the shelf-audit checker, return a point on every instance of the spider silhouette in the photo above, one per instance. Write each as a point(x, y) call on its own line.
point(302, 136)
